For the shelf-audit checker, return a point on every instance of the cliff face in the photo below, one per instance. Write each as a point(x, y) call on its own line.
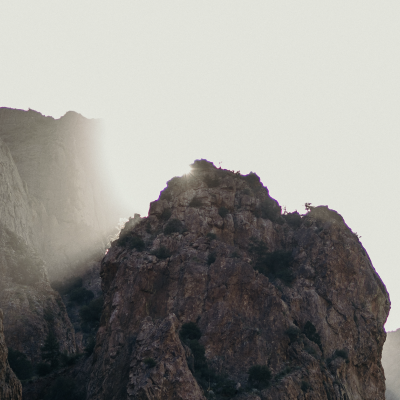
point(57, 185)
point(297, 295)
point(54, 215)
point(10, 386)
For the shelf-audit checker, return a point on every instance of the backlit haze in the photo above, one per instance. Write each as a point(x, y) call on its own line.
point(306, 94)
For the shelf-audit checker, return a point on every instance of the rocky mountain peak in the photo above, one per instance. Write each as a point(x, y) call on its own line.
point(279, 305)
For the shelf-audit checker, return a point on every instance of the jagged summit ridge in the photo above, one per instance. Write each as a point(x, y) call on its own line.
point(295, 295)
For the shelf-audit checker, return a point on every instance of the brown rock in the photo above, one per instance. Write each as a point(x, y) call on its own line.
point(315, 280)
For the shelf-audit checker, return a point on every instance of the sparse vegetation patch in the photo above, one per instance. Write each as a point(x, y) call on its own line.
point(277, 264)
point(174, 225)
point(162, 252)
point(259, 376)
point(196, 202)
point(131, 241)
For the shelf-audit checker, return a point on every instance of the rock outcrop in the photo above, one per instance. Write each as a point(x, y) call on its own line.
point(10, 386)
point(294, 296)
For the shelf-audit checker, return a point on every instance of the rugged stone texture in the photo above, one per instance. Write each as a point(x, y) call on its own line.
point(390, 362)
point(10, 386)
point(62, 205)
point(244, 315)
point(31, 307)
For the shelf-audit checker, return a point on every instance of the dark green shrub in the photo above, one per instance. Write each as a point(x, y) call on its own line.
point(150, 362)
point(166, 214)
point(81, 295)
point(211, 258)
point(277, 264)
point(211, 182)
point(338, 353)
point(90, 345)
point(223, 212)
point(91, 313)
point(20, 364)
point(211, 236)
point(131, 241)
point(162, 252)
point(305, 386)
point(196, 202)
point(259, 376)
point(293, 332)
point(293, 219)
point(43, 369)
point(173, 226)
point(190, 331)
point(311, 334)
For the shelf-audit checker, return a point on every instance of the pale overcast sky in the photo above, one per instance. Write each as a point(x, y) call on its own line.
point(304, 93)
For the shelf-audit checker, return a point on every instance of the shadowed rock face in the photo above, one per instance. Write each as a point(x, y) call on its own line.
point(31, 307)
point(10, 386)
point(302, 298)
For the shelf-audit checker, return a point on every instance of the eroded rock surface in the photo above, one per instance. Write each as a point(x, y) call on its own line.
point(10, 386)
point(296, 294)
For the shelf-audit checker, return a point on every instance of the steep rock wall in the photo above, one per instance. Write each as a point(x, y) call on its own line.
point(59, 163)
point(298, 295)
point(10, 386)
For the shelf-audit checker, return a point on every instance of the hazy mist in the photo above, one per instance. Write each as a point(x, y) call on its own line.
point(306, 94)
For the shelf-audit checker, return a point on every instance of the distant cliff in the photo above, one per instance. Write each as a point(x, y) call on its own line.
point(218, 295)
point(53, 191)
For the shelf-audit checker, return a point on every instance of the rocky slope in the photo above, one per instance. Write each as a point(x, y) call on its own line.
point(215, 285)
point(61, 203)
point(390, 362)
point(10, 386)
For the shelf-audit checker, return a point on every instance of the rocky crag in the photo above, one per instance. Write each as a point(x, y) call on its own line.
point(216, 294)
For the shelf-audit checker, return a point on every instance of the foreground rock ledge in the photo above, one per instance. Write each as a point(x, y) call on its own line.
point(204, 272)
